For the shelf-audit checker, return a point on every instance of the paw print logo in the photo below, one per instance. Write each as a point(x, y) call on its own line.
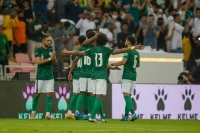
point(160, 97)
point(62, 96)
point(28, 96)
point(188, 96)
point(134, 98)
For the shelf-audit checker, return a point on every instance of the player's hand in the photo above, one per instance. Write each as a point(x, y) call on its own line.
point(63, 52)
point(116, 68)
point(69, 77)
point(139, 46)
point(53, 54)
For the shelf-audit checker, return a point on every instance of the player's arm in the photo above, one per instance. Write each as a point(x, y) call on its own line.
point(89, 41)
point(123, 50)
point(65, 52)
point(39, 61)
point(113, 68)
point(74, 62)
point(54, 61)
point(122, 62)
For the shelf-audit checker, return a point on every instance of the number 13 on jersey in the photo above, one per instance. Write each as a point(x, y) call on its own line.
point(98, 59)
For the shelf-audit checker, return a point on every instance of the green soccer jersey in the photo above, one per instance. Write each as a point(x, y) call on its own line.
point(133, 57)
point(87, 63)
point(44, 71)
point(100, 55)
point(77, 69)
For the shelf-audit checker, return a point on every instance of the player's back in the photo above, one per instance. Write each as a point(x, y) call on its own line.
point(100, 55)
point(78, 67)
point(130, 65)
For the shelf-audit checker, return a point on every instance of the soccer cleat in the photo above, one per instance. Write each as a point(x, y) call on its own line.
point(70, 116)
point(32, 116)
point(104, 120)
point(124, 118)
point(81, 116)
point(134, 117)
point(92, 120)
point(76, 115)
point(85, 117)
point(49, 117)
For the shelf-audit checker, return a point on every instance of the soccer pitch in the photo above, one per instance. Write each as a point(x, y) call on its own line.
point(113, 126)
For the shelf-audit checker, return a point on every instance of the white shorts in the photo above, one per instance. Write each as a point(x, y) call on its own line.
point(101, 87)
point(86, 85)
point(76, 86)
point(43, 86)
point(94, 82)
point(127, 86)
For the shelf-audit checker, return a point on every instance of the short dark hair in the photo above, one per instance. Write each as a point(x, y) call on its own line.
point(90, 34)
point(89, 30)
point(176, 15)
point(38, 14)
point(101, 39)
point(25, 1)
point(20, 11)
point(81, 39)
point(198, 9)
point(151, 15)
point(131, 39)
point(171, 9)
point(67, 24)
point(143, 15)
point(125, 23)
point(3, 7)
point(15, 5)
point(44, 36)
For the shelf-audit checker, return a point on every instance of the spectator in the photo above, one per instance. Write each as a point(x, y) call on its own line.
point(94, 5)
point(176, 42)
point(9, 21)
point(121, 37)
point(195, 77)
point(19, 35)
point(51, 14)
point(60, 11)
point(34, 36)
point(163, 37)
point(129, 19)
point(107, 30)
point(20, 3)
point(183, 78)
point(139, 31)
point(15, 8)
point(117, 30)
point(195, 23)
point(73, 10)
point(4, 49)
point(40, 6)
point(107, 6)
point(69, 32)
point(28, 12)
point(85, 23)
point(135, 9)
point(9, 4)
point(57, 34)
point(151, 32)
point(159, 14)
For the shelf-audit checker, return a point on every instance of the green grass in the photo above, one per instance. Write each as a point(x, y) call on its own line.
point(113, 126)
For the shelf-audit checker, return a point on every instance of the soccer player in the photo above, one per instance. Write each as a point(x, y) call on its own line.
point(44, 83)
point(100, 55)
point(76, 85)
point(130, 60)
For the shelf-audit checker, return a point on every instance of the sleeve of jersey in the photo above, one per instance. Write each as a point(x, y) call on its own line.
point(88, 52)
point(37, 53)
point(138, 57)
point(125, 55)
point(79, 49)
point(111, 51)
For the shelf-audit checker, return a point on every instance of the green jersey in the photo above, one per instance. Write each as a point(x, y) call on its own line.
point(133, 57)
point(77, 69)
point(44, 71)
point(87, 63)
point(100, 55)
point(35, 26)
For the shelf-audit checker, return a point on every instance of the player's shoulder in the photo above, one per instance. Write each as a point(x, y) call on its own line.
point(38, 49)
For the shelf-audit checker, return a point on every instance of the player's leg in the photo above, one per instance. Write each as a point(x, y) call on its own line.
point(49, 89)
point(76, 91)
point(34, 104)
point(126, 88)
point(81, 97)
point(134, 116)
point(92, 95)
point(101, 88)
point(86, 106)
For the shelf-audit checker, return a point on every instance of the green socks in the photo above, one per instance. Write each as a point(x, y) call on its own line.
point(48, 103)
point(35, 102)
point(92, 99)
point(129, 104)
point(101, 111)
point(79, 102)
point(86, 103)
point(72, 102)
point(97, 105)
point(126, 112)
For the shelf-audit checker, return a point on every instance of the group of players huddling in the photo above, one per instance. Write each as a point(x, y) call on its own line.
point(90, 64)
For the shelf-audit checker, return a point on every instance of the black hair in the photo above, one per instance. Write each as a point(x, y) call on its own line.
point(125, 23)
point(151, 15)
point(15, 5)
point(131, 39)
point(153, 3)
point(90, 34)
point(176, 15)
point(171, 9)
point(25, 1)
point(158, 6)
point(89, 30)
point(101, 39)
point(183, 3)
point(198, 9)
point(20, 11)
point(81, 39)
point(67, 24)
point(160, 21)
point(3, 7)
point(44, 36)
point(38, 14)
point(143, 15)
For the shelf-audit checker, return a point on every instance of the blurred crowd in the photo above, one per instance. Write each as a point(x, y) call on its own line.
point(171, 26)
